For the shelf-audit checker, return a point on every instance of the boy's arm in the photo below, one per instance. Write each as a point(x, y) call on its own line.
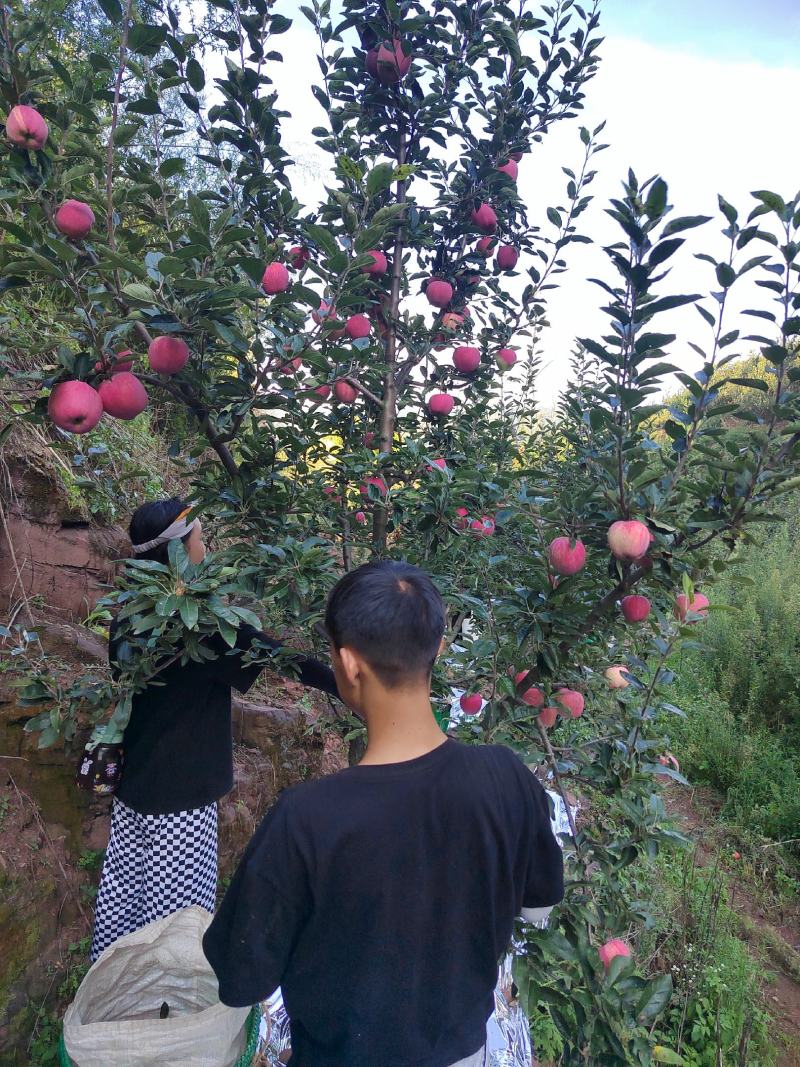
point(544, 885)
point(250, 940)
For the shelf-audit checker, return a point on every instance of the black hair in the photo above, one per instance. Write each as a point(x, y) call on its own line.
point(152, 519)
point(392, 614)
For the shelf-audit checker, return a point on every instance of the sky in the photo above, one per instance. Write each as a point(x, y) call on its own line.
point(701, 92)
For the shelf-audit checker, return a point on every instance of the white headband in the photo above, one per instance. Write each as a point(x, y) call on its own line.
point(179, 528)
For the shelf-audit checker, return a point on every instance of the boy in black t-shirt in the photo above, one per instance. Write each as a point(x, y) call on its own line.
point(381, 898)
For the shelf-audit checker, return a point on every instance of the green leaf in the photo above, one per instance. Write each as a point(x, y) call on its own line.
point(146, 39)
point(195, 75)
point(111, 9)
point(726, 275)
point(662, 1054)
point(189, 612)
point(137, 291)
point(656, 199)
point(379, 178)
point(324, 238)
point(770, 200)
point(655, 998)
point(686, 222)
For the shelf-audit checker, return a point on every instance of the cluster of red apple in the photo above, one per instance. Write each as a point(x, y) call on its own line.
point(629, 541)
point(26, 129)
point(78, 407)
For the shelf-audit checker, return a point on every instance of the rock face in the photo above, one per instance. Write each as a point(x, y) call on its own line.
point(51, 552)
point(51, 833)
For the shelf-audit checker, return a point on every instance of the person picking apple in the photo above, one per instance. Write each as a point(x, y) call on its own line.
point(381, 898)
point(177, 758)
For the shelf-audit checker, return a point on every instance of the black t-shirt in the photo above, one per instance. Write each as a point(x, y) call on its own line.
point(381, 899)
point(178, 745)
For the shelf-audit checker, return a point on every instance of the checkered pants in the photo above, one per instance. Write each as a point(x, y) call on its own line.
point(154, 865)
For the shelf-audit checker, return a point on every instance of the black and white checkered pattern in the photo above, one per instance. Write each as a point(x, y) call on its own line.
point(154, 865)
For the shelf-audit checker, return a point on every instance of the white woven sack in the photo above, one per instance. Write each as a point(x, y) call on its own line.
point(114, 1019)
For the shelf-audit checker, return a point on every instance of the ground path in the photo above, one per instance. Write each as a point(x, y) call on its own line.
point(773, 937)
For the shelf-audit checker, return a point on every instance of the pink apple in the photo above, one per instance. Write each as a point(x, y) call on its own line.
point(611, 949)
point(507, 257)
point(116, 363)
point(571, 700)
point(344, 392)
point(547, 717)
point(506, 358)
point(485, 247)
point(635, 608)
point(26, 128)
point(75, 406)
point(322, 391)
point(323, 316)
point(361, 518)
point(441, 404)
point(533, 697)
point(485, 218)
point(275, 280)
point(358, 326)
point(378, 265)
point(438, 292)
point(615, 676)
point(628, 539)
point(697, 606)
point(467, 359)
point(299, 255)
point(510, 168)
point(566, 558)
point(483, 527)
point(379, 484)
point(440, 463)
point(388, 63)
point(330, 490)
point(292, 367)
point(452, 320)
point(462, 521)
point(471, 703)
point(168, 355)
point(74, 219)
point(123, 396)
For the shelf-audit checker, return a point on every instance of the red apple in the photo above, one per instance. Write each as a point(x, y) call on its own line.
point(26, 128)
point(116, 363)
point(611, 949)
point(292, 367)
point(322, 391)
point(516, 156)
point(635, 608)
point(510, 168)
point(467, 359)
point(547, 716)
point(75, 406)
point(471, 704)
point(74, 219)
point(324, 316)
point(533, 697)
point(628, 539)
point(737, 855)
point(506, 358)
point(483, 527)
point(379, 484)
point(571, 700)
point(485, 247)
point(697, 606)
point(614, 676)
point(378, 265)
point(441, 404)
point(275, 280)
point(452, 320)
point(388, 63)
point(358, 326)
point(361, 517)
point(463, 518)
point(485, 218)
point(330, 490)
point(123, 396)
point(438, 292)
point(507, 257)
point(168, 355)
point(344, 392)
point(440, 463)
point(299, 255)
point(566, 558)
point(369, 438)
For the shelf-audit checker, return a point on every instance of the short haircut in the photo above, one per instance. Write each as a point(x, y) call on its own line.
point(390, 613)
point(152, 519)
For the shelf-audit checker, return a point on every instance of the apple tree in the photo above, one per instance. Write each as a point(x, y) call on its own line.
point(357, 377)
